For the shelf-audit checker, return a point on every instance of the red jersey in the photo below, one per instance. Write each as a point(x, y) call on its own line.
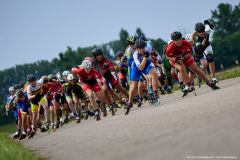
point(177, 52)
point(104, 67)
point(87, 77)
point(49, 89)
point(57, 89)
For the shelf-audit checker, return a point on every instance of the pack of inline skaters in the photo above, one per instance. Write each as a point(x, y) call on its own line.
point(99, 83)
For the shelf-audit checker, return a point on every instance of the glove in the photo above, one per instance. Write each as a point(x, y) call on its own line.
point(106, 65)
point(146, 54)
point(177, 61)
point(206, 36)
point(155, 53)
point(48, 93)
point(77, 67)
point(13, 109)
point(206, 22)
point(211, 26)
point(183, 59)
point(159, 62)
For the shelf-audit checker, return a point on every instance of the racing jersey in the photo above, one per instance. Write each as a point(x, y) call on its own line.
point(33, 90)
point(61, 80)
point(130, 59)
point(49, 89)
point(76, 88)
point(88, 77)
point(11, 98)
point(123, 71)
point(25, 103)
point(57, 89)
point(178, 52)
point(138, 57)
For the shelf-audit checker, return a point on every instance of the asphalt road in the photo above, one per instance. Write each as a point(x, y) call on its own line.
point(206, 126)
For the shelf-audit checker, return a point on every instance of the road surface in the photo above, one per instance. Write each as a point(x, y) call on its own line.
point(205, 126)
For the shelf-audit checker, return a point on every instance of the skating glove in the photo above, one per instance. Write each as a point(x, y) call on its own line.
point(13, 109)
point(7, 112)
point(206, 36)
point(106, 65)
point(159, 61)
point(155, 53)
point(146, 54)
point(183, 59)
point(48, 93)
point(210, 25)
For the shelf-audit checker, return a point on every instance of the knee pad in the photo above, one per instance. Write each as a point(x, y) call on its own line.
point(210, 57)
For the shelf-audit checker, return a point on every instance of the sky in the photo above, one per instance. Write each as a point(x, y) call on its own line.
point(41, 29)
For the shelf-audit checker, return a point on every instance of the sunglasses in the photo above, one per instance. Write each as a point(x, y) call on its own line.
point(200, 31)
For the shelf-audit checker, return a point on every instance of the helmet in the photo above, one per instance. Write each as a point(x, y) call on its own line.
point(31, 78)
point(119, 54)
point(169, 41)
point(22, 83)
point(52, 77)
point(11, 89)
point(164, 46)
point(86, 64)
point(70, 77)
point(65, 73)
point(176, 35)
point(19, 93)
point(131, 40)
point(139, 43)
point(124, 58)
point(16, 86)
point(142, 38)
point(96, 52)
point(199, 27)
point(188, 38)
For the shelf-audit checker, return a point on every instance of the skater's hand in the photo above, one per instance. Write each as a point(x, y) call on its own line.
point(206, 36)
point(48, 93)
point(146, 54)
point(106, 65)
point(7, 112)
point(183, 58)
point(159, 62)
point(179, 61)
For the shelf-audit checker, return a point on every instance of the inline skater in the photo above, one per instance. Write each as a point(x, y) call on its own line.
point(58, 98)
point(25, 109)
point(35, 94)
point(202, 44)
point(179, 53)
point(142, 63)
point(88, 77)
point(197, 58)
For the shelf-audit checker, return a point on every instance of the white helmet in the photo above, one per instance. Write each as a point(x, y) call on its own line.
point(66, 73)
point(86, 64)
point(11, 89)
point(169, 41)
point(188, 38)
point(70, 77)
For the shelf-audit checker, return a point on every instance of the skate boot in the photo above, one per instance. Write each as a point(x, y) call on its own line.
point(32, 133)
point(199, 81)
point(115, 106)
point(140, 102)
point(57, 124)
point(111, 109)
point(149, 97)
point(135, 99)
point(145, 98)
point(182, 87)
point(162, 91)
point(104, 110)
point(78, 119)
point(192, 89)
point(90, 112)
point(127, 109)
point(66, 121)
point(48, 127)
point(97, 115)
point(168, 90)
point(185, 91)
point(28, 131)
point(214, 79)
point(85, 116)
point(16, 135)
point(61, 122)
point(23, 136)
point(53, 127)
point(213, 85)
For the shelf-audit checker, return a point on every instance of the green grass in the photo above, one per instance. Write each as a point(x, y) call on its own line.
point(222, 75)
point(12, 150)
point(8, 128)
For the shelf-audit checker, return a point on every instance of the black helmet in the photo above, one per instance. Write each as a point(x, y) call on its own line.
point(19, 93)
point(31, 78)
point(52, 77)
point(199, 27)
point(96, 52)
point(16, 86)
point(139, 43)
point(124, 58)
point(119, 54)
point(176, 35)
point(131, 40)
point(22, 83)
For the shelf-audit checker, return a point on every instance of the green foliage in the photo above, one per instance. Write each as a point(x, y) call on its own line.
point(12, 150)
point(226, 44)
point(8, 128)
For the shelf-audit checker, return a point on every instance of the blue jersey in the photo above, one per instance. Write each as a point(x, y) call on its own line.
point(11, 98)
point(130, 52)
point(24, 105)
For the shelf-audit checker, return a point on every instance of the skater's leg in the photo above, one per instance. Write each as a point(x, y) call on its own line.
point(183, 71)
point(204, 64)
point(194, 68)
point(92, 99)
point(56, 107)
point(134, 87)
point(140, 89)
point(154, 76)
point(52, 113)
point(46, 111)
point(121, 89)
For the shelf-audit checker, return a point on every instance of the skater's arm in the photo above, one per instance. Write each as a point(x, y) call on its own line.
point(143, 63)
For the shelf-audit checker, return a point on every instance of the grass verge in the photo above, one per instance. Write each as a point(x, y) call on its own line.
point(12, 150)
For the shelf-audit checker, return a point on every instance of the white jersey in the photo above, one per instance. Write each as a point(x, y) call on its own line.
point(138, 57)
point(207, 29)
point(33, 90)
